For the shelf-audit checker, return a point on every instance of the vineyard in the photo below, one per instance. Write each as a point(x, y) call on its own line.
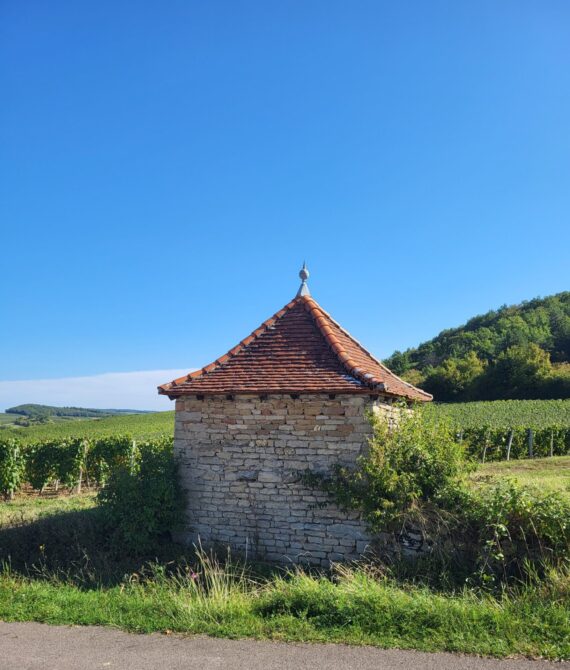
point(506, 413)
point(510, 429)
point(70, 462)
point(139, 426)
point(81, 453)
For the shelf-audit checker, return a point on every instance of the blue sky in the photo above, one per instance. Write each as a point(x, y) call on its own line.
point(166, 167)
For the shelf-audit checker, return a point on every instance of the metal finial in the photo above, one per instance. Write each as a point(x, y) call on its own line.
point(304, 274)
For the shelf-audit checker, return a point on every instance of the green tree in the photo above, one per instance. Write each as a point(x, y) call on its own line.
point(455, 378)
point(519, 372)
point(500, 340)
point(415, 377)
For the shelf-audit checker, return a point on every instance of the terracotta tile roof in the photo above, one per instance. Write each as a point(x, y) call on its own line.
point(300, 349)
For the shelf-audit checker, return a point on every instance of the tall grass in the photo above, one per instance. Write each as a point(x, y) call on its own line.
point(353, 605)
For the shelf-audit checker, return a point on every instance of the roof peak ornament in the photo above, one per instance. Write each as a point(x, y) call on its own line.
point(304, 275)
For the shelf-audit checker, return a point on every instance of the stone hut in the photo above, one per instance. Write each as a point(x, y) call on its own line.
point(294, 395)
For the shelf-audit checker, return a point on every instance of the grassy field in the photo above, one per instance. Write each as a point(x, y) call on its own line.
point(140, 426)
point(6, 419)
point(29, 508)
point(546, 474)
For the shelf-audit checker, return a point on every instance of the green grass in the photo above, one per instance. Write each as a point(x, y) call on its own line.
point(140, 426)
point(7, 419)
point(355, 608)
point(546, 474)
point(506, 413)
point(29, 508)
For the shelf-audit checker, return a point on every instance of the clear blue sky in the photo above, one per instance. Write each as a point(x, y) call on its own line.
point(167, 166)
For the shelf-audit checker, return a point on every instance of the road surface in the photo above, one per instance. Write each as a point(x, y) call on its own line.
point(34, 646)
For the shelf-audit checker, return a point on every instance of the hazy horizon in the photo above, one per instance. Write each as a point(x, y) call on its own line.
point(110, 390)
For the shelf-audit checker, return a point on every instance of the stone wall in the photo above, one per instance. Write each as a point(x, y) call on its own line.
point(240, 460)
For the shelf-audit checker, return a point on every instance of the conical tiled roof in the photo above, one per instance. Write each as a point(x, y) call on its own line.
point(300, 349)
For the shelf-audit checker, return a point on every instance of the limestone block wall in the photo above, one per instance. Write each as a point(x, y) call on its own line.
point(239, 463)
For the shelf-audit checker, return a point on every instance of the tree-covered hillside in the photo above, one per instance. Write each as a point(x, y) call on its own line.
point(517, 351)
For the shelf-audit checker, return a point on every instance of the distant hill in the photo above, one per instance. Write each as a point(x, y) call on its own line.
point(36, 412)
point(517, 351)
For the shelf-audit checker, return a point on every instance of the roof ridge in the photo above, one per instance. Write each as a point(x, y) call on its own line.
point(349, 364)
point(222, 360)
point(319, 315)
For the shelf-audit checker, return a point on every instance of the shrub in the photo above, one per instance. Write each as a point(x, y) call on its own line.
point(142, 500)
point(12, 468)
point(413, 462)
point(412, 479)
point(515, 531)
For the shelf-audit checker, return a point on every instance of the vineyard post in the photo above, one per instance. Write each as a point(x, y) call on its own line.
point(551, 443)
point(79, 477)
point(486, 445)
point(86, 447)
point(509, 444)
point(530, 442)
point(82, 462)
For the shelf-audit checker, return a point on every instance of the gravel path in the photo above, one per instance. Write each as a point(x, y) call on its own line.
point(33, 646)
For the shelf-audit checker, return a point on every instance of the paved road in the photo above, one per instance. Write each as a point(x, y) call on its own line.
point(33, 646)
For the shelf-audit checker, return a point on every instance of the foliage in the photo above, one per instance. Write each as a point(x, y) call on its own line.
point(56, 461)
point(412, 479)
point(107, 454)
point(12, 467)
point(492, 444)
point(70, 462)
point(142, 499)
point(521, 351)
point(455, 377)
point(413, 462)
point(518, 371)
point(515, 531)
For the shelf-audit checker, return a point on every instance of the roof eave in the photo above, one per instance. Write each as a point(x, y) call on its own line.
point(376, 390)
